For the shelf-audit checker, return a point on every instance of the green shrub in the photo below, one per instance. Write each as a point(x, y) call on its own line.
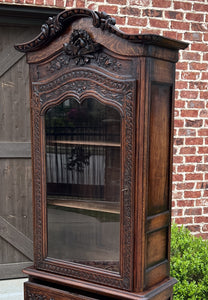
point(189, 265)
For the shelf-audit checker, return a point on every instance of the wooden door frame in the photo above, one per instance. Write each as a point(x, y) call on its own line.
point(20, 15)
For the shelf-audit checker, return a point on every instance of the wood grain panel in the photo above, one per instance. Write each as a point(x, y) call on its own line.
point(156, 247)
point(162, 71)
point(157, 221)
point(16, 238)
point(15, 203)
point(159, 143)
point(16, 194)
point(15, 105)
point(14, 85)
point(13, 270)
point(156, 274)
point(15, 150)
point(8, 63)
point(9, 254)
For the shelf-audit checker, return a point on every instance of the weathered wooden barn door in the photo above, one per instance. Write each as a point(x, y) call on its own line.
point(16, 249)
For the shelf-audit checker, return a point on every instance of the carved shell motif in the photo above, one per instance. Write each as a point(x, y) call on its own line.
point(81, 47)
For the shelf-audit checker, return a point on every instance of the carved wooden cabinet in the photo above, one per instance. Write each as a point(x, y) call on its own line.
point(102, 123)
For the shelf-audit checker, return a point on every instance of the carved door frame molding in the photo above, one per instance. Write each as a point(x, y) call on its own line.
point(105, 88)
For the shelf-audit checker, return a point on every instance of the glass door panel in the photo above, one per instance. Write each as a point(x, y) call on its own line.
point(83, 150)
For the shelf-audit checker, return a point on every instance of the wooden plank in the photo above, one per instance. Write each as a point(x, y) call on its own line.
point(102, 206)
point(15, 202)
point(159, 148)
point(13, 270)
point(16, 238)
point(15, 150)
point(15, 165)
point(157, 221)
point(156, 249)
point(9, 57)
point(88, 143)
point(156, 274)
point(15, 107)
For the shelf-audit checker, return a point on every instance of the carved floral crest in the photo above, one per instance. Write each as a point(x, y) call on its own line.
point(81, 47)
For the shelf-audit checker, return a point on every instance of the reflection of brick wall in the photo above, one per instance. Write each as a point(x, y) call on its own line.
point(187, 21)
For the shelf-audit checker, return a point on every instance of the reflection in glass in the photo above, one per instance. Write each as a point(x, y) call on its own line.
point(83, 183)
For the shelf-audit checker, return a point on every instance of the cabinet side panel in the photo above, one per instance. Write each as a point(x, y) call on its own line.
point(156, 247)
point(158, 214)
point(159, 147)
point(156, 274)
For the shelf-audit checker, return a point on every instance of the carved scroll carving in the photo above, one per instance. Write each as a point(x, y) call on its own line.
point(101, 59)
point(51, 27)
point(101, 79)
point(55, 26)
point(80, 82)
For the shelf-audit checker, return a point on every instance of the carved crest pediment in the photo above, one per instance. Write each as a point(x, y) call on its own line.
point(54, 26)
point(81, 47)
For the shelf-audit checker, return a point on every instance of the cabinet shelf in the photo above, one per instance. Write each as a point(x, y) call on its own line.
point(87, 143)
point(87, 204)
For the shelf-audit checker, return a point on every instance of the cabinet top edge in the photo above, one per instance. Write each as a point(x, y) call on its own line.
point(55, 25)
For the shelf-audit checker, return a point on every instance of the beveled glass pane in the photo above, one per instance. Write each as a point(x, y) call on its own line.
point(83, 151)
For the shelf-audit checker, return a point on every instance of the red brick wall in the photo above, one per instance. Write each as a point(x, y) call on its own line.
point(188, 21)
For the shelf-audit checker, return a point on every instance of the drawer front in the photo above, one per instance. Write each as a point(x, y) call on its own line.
point(33, 291)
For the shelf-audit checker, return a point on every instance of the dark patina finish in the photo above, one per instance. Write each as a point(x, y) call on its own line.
point(80, 55)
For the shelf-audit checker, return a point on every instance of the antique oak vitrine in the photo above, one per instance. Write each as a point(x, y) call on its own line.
point(102, 122)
